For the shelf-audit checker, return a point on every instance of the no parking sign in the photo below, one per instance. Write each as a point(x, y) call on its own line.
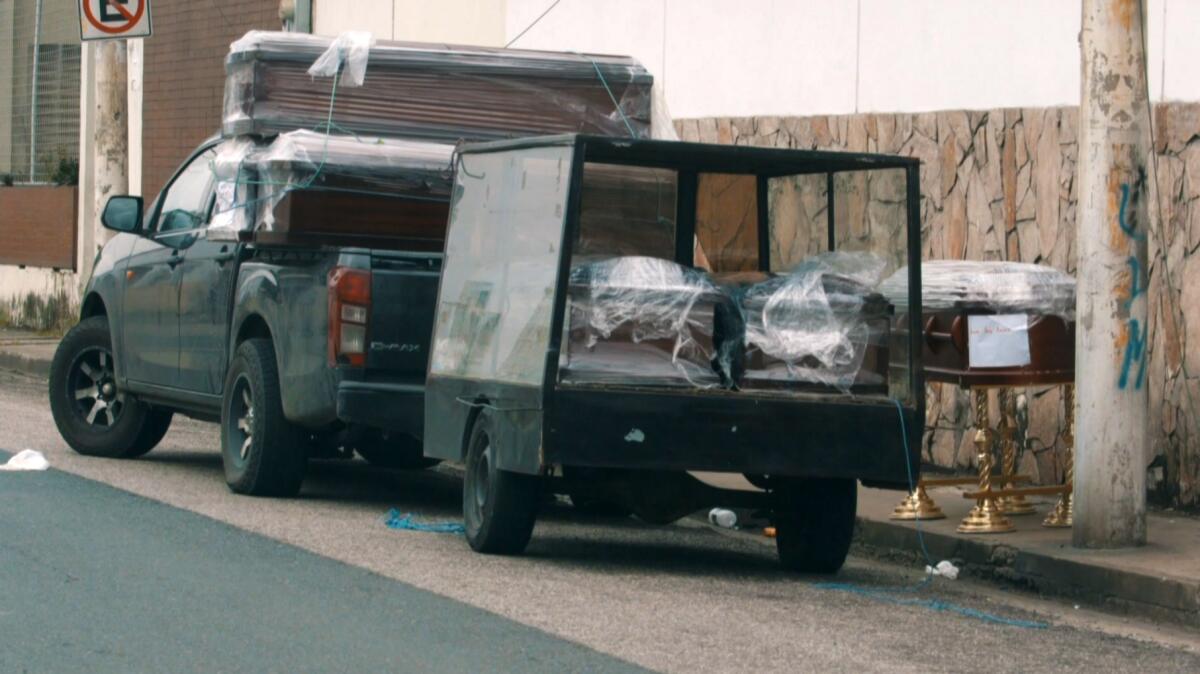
point(113, 19)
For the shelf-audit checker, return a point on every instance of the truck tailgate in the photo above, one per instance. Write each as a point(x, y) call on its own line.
point(403, 296)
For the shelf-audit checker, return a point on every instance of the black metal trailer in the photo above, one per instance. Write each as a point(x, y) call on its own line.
point(526, 214)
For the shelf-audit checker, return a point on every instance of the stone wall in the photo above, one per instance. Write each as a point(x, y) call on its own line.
point(1000, 185)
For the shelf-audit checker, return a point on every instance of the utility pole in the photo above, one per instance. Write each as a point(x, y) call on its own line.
point(110, 153)
point(1112, 398)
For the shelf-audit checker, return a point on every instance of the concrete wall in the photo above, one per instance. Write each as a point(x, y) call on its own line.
point(1000, 185)
point(804, 57)
point(479, 22)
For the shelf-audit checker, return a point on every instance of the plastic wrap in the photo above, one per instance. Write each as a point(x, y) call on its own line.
point(433, 92)
point(1014, 287)
point(348, 53)
point(817, 323)
point(253, 178)
point(644, 320)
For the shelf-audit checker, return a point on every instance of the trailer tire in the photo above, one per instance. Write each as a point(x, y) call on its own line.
point(814, 522)
point(499, 506)
point(262, 452)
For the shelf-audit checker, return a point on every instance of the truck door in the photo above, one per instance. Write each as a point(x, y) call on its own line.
point(150, 330)
point(205, 293)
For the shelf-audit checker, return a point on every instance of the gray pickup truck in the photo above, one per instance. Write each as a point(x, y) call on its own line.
point(313, 348)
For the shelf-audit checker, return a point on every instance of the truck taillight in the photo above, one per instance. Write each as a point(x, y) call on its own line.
point(349, 311)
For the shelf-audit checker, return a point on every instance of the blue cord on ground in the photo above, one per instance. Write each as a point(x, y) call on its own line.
point(405, 521)
point(889, 595)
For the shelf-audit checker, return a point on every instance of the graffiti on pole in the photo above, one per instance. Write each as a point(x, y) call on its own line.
point(1134, 360)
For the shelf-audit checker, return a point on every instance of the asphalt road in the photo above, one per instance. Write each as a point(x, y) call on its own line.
point(154, 565)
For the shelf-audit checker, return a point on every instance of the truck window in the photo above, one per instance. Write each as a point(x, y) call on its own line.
point(727, 222)
point(626, 210)
point(869, 215)
point(186, 203)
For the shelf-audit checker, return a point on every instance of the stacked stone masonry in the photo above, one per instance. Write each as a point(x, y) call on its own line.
point(1001, 185)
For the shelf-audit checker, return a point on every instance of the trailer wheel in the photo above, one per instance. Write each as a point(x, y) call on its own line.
point(262, 452)
point(814, 522)
point(499, 507)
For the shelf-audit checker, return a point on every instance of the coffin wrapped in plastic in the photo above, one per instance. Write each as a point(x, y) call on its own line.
point(429, 91)
point(992, 323)
point(996, 286)
point(821, 323)
point(644, 320)
point(307, 185)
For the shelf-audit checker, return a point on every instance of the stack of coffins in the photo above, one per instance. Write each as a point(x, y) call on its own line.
point(427, 91)
point(643, 320)
point(821, 324)
point(992, 323)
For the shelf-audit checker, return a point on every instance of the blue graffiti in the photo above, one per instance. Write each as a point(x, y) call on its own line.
point(1135, 280)
point(1130, 230)
point(1135, 352)
point(1135, 344)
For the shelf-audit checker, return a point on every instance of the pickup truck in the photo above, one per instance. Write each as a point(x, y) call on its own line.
point(296, 350)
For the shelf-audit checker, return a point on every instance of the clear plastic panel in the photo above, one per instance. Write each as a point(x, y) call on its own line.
point(626, 210)
point(502, 257)
point(798, 218)
point(727, 222)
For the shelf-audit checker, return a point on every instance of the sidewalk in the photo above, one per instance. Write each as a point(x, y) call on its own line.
point(1160, 580)
point(26, 351)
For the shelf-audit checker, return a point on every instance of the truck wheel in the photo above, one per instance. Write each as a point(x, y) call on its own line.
point(499, 507)
point(92, 415)
point(263, 453)
point(814, 522)
point(397, 451)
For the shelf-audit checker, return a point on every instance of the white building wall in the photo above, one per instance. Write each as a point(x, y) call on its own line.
point(803, 57)
point(479, 22)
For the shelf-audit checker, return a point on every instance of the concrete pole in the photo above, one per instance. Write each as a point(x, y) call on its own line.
point(110, 151)
point(1112, 398)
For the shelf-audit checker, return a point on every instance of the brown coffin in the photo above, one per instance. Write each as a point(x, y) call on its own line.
point(623, 356)
point(434, 92)
point(946, 351)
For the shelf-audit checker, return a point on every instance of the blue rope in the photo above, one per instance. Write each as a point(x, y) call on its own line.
point(611, 97)
point(398, 520)
point(887, 595)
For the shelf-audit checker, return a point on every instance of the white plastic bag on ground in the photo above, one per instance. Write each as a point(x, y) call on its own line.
point(27, 459)
point(944, 568)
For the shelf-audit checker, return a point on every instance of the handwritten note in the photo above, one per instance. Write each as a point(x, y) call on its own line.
point(998, 341)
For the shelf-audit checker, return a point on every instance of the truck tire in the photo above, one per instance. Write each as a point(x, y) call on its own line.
point(397, 451)
point(814, 522)
point(92, 415)
point(499, 507)
point(262, 452)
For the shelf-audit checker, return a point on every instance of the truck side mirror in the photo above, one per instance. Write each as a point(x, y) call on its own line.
point(122, 213)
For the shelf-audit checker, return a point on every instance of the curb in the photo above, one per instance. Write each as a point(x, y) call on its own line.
point(37, 367)
point(1127, 592)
